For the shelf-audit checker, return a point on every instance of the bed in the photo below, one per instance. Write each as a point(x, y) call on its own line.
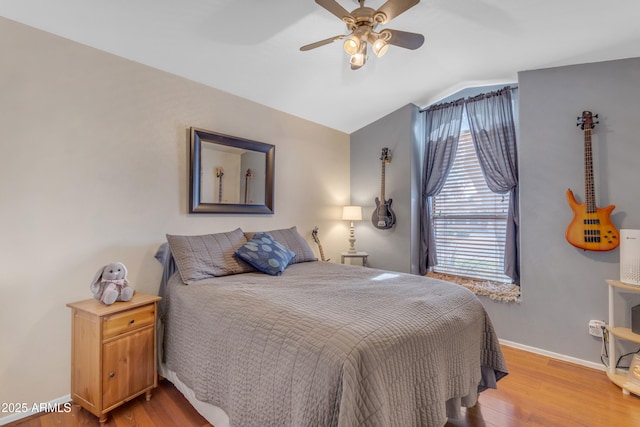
point(318, 344)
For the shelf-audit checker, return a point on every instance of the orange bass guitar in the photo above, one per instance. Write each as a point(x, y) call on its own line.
point(591, 228)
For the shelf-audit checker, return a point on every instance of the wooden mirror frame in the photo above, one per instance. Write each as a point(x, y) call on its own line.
point(195, 167)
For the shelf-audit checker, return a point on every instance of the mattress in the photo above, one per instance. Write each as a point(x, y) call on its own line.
point(331, 345)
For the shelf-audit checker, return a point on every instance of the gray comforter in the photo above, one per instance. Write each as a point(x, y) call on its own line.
point(331, 345)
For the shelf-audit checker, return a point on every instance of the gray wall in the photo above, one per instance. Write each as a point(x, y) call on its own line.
point(400, 131)
point(562, 287)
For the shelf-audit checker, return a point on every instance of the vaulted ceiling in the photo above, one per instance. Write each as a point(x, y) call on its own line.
point(250, 48)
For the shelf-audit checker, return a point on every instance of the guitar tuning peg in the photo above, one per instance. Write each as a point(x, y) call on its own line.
point(596, 116)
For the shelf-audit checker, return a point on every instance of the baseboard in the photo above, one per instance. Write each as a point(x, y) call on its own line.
point(35, 408)
point(553, 355)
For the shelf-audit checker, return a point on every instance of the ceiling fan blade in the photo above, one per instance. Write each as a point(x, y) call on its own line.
point(404, 39)
point(393, 8)
point(333, 7)
point(321, 43)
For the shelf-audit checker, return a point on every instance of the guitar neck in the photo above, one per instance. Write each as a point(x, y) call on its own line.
point(382, 183)
point(590, 195)
point(246, 189)
point(321, 252)
point(247, 179)
point(316, 239)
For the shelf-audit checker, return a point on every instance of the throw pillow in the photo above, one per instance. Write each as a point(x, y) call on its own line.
point(266, 254)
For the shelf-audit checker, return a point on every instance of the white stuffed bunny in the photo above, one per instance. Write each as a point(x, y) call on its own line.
point(110, 284)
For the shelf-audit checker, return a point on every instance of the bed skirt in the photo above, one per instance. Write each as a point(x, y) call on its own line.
point(215, 415)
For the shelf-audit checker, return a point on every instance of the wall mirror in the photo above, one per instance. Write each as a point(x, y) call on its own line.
point(230, 175)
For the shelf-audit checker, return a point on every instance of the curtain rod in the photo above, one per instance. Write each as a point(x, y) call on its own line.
point(436, 106)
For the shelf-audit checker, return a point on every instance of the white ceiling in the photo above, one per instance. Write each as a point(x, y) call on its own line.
point(250, 48)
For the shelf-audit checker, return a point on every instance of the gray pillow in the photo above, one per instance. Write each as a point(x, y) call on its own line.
point(292, 240)
point(209, 255)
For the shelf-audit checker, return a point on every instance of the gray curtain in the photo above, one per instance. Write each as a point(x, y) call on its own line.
point(442, 129)
point(494, 136)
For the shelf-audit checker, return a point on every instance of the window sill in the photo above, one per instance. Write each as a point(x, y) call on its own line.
point(504, 292)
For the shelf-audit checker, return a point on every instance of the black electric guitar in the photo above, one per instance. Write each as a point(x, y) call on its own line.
point(383, 217)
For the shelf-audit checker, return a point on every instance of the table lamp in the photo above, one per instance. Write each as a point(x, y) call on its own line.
point(352, 213)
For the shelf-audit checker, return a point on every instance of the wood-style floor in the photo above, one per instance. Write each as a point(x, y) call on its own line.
point(537, 392)
point(540, 391)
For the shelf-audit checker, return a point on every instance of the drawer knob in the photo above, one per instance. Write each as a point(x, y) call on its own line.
point(131, 321)
point(112, 374)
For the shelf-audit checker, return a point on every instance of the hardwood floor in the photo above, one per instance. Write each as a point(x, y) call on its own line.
point(537, 392)
point(167, 408)
point(540, 391)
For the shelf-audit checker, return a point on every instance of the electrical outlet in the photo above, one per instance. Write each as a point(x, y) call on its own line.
point(595, 327)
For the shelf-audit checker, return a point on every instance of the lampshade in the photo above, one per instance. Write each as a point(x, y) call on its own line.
point(357, 60)
point(352, 44)
point(352, 213)
point(380, 47)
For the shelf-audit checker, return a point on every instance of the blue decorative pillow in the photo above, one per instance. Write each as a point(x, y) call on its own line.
point(266, 254)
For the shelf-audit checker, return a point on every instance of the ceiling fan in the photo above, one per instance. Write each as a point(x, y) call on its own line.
point(362, 23)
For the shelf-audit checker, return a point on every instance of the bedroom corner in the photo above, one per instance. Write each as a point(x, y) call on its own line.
point(562, 287)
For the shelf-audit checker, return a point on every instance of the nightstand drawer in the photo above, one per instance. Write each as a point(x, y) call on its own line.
point(128, 321)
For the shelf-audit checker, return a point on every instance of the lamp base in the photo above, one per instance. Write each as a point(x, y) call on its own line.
point(352, 239)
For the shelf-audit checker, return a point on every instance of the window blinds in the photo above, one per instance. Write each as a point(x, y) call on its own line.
point(470, 220)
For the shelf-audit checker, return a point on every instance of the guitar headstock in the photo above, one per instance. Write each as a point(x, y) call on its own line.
point(586, 121)
point(386, 155)
point(219, 172)
point(314, 234)
point(249, 173)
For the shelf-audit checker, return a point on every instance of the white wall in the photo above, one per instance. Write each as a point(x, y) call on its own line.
point(93, 169)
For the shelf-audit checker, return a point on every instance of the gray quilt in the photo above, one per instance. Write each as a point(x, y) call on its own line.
point(331, 345)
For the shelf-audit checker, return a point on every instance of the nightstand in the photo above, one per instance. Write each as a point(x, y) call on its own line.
point(361, 255)
point(113, 352)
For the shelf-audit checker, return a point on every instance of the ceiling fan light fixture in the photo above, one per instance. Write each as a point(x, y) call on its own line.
point(357, 60)
point(380, 47)
point(361, 29)
point(352, 44)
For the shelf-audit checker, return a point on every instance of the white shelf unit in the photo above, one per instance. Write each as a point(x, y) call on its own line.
point(620, 378)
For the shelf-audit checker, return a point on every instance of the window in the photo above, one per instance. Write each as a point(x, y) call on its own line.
point(470, 220)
